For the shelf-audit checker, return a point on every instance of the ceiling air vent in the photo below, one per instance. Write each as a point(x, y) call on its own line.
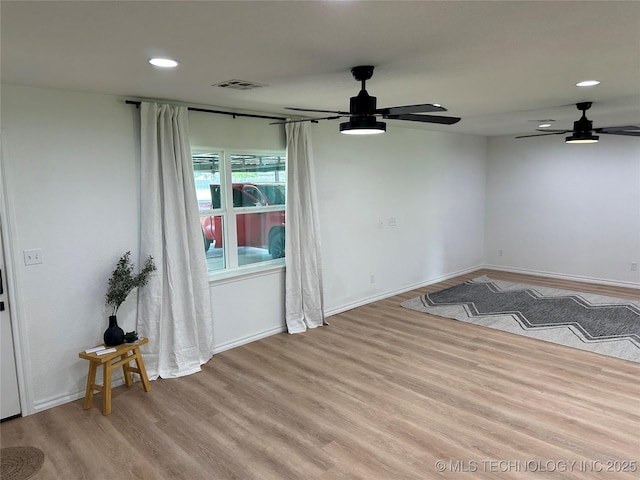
point(238, 85)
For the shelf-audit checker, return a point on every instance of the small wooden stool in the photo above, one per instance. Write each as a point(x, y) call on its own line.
point(126, 352)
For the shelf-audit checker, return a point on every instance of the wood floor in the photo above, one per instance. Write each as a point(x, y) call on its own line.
point(383, 393)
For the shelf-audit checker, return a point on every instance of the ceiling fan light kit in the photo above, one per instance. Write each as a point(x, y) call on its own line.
point(581, 137)
point(363, 126)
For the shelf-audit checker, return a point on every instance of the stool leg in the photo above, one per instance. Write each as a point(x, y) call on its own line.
point(91, 379)
point(106, 389)
point(143, 371)
point(127, 374)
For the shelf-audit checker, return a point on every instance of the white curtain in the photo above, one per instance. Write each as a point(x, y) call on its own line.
point(174, 308)
point(303, 287)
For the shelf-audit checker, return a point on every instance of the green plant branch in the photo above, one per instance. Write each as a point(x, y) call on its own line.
point(123, 280)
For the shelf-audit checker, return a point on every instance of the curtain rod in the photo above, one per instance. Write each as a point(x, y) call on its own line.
point(220, 112)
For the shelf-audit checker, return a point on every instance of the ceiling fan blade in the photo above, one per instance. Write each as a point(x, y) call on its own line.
point(631, 131)
point(284, 122)
point(560, 132)
point(621, 132)
point(547, 130)
point(423, 108)
point(317, 111)
point(423, 118)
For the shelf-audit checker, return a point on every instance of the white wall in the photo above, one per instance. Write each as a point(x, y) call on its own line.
point(247, 308)
point(72, 182)
point(72, 175)
point(432, 184)
point(568, 210)
point(222, 131)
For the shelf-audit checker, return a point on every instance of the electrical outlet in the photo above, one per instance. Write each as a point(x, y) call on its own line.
point(634, 267)
point(500, 252)
point(33, 256)
point(373, 279)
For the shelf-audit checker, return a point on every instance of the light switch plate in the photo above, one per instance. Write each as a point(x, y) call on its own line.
point(33, 256)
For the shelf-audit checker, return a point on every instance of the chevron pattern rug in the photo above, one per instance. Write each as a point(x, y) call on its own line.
point(606, 325)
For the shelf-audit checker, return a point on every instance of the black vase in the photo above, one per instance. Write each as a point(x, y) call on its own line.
point(113, 335)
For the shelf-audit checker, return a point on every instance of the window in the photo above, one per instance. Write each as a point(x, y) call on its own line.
point(241, 198)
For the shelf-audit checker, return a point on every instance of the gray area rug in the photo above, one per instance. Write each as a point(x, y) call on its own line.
point(605, 325)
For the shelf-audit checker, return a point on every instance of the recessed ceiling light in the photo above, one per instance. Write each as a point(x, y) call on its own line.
point(544, 125)
point(163, 62)
point(587, 83)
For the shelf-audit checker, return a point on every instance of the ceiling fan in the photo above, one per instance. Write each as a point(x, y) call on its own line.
point(583, 131)
point(363, 111)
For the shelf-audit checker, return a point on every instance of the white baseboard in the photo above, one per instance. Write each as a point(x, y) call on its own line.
point(382, 296)
point(54, 402)
point(408, 288)
point(72, 397)
point(564, 276)
point(248, 339)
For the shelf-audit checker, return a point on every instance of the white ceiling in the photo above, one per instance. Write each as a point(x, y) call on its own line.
point(500, 65)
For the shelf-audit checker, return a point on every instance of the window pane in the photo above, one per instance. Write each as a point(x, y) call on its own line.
point(248, 168)
point(206, 172)
point(260, 236)
point(258, 180)
point(212, 235)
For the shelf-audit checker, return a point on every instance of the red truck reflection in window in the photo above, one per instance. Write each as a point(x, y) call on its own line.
point(259, 229)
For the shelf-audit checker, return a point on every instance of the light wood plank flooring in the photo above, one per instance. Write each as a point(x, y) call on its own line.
point(383, 393)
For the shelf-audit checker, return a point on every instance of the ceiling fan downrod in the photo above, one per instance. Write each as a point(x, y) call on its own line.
point(583, 125)
point(362, 104)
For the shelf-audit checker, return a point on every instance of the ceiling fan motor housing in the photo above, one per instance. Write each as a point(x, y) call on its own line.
point(584, 126)
point(362, 104)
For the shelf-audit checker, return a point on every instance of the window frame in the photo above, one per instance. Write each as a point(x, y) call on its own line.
point(229, 213)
